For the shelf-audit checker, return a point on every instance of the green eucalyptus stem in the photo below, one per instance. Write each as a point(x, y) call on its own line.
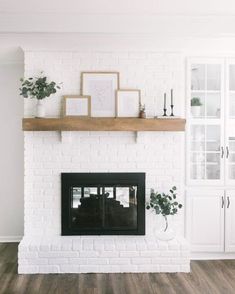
point(166, 221)
point(38, 87)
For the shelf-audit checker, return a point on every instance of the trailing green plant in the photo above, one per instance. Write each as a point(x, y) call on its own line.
point(164, 204)
point(37, 87)
point(195, 101)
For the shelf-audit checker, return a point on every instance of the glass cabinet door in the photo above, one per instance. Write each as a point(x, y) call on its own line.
point(230, 154)
point(205, 152)
point(206, 88)
point(230, 124)
point(206, 123)
point(231, 91)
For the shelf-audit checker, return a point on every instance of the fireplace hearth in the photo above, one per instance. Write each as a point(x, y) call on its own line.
point(103, 203)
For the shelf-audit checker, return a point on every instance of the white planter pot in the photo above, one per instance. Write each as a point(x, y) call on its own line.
point(40, 109)
point(196, 111)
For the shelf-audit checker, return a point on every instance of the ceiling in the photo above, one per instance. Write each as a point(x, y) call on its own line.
point(158, 7)
point(119, 16)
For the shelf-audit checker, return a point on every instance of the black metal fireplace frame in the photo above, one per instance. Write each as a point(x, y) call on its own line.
point(69, 180)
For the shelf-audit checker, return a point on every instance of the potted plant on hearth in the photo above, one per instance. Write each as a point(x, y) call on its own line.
point(38, 88)
point(196, 106)
point(165, 205)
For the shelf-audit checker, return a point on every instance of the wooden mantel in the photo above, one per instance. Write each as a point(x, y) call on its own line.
point(103, 124)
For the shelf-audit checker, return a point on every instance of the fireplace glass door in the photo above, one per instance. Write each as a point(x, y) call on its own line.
point(104, 207)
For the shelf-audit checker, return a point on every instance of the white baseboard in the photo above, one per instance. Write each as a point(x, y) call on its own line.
point(9, 239)
point(211, 256)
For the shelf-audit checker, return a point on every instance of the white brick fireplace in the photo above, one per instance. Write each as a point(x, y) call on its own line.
point(47, 154)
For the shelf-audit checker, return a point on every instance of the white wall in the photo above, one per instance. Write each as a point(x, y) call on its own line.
point(11, 153)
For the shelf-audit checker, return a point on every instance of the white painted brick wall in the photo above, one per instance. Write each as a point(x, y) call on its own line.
point(152, 72)
point(46, 157)
point(159, 154)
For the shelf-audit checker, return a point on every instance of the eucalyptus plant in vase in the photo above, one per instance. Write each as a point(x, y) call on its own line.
point(165, 205)
point(38, 88)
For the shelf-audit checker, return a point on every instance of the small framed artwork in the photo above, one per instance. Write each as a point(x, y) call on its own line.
point(128, 103)
point(101, 86)
point(77, 105)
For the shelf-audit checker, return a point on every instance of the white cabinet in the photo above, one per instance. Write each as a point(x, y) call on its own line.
point(230, 221)
point(210, 155)
point(205, 215)
point(210, 218)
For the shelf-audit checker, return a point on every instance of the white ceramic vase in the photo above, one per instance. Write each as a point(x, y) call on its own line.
point(40, 109)
point(196, 111)
point(166, 231)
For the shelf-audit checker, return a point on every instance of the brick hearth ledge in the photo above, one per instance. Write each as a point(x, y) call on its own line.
point(116, 254)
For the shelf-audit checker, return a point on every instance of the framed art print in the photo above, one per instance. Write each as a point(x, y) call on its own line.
point(128, 103)
point(77, 105)
point(101, 86)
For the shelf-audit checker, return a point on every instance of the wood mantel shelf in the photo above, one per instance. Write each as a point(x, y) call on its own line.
point(103, 124)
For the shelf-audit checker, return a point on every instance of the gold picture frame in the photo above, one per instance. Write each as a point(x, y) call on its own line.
point(102, 87)
point(71, 107)
point(128, 102)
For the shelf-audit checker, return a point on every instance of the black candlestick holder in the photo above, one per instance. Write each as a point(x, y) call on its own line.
point(164, 109)
point(172, 113)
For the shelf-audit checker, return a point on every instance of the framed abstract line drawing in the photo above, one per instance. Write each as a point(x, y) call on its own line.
point(128, 103)
point(77, 105)
point(101, 86)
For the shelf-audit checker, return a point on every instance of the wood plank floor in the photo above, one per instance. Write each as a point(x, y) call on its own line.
point(207, 277)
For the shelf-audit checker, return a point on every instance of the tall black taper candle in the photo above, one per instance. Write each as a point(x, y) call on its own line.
point(172, 105)
point(164, 109)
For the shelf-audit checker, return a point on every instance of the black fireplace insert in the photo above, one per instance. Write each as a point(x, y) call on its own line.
point(103, 203)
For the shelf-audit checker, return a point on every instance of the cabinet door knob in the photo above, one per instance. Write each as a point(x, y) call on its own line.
point(228, 202)
point(227, 152)
point(222, 201)
point(222, 152)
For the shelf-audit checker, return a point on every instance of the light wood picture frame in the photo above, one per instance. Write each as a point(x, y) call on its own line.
point(128, 102)
point(102, 87)
point(77, 105)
